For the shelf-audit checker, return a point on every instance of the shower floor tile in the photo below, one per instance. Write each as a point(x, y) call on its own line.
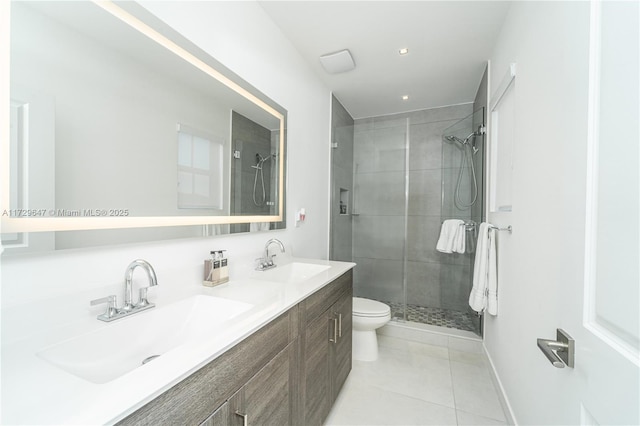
point(435, 316)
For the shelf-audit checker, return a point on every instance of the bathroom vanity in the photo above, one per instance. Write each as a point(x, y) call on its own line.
point(282, 360)
point(288, 372)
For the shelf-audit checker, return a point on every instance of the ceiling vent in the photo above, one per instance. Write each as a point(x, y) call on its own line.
point(337, 62)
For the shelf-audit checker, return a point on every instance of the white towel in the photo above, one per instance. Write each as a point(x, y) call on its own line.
point(452, 237)
point(484, 294)
point(258, 226)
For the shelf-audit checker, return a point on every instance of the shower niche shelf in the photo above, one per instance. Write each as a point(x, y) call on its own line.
point(344, 202)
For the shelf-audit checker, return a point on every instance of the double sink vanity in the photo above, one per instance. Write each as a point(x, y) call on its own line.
point(274, 348)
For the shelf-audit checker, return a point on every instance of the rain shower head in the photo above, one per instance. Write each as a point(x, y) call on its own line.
point(452, 138)
point(260, 159)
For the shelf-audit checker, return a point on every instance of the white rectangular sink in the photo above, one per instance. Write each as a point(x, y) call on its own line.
point(294, 272)
point(121, 346)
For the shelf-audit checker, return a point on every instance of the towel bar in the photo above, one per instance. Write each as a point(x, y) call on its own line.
point(495, 228)
point(471, 226)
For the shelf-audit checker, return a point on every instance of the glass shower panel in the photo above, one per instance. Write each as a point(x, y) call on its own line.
point(462, 198)
point(379, 211)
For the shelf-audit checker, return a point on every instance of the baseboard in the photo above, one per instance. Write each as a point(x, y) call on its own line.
point(502, 395)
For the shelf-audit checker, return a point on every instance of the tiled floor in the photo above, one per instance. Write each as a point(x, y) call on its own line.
point(415, 383)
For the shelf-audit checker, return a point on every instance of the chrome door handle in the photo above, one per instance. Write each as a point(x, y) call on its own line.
point(559, 352)
point(340, 325)
point(245, 418)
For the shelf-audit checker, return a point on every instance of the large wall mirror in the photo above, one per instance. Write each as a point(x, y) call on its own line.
point(123, 131)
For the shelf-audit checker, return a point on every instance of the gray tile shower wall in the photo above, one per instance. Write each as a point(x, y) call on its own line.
point(380, 160)
point(341, 246)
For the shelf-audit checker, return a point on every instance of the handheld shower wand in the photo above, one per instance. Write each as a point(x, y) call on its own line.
point(258, 166)
point(467, 158)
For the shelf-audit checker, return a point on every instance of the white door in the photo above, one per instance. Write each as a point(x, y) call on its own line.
point(606, 327)
point(572, 259)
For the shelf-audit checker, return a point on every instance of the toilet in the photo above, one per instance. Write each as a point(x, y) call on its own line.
point(368, 316)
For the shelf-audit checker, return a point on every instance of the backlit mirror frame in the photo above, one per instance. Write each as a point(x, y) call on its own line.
point(147, 24)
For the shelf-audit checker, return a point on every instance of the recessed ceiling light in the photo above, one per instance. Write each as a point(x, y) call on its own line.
point(405, 97)
point(403, 51)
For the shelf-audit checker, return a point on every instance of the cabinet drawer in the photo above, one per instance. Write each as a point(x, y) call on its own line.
point(322, 299)
point(192, 400)
point(268, 399)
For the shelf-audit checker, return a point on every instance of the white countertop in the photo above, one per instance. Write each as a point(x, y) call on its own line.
point(37, 392)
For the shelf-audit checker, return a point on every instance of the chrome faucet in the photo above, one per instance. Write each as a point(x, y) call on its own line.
point(113, 312)
point(128, 285)
point(267, 260)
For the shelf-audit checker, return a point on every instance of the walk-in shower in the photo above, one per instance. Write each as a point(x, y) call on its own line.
point(411, 172)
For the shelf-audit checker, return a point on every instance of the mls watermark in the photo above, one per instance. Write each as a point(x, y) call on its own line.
point(65, 213)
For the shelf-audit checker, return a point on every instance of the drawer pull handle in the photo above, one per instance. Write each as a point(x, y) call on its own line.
point(245, 418)
point(334, 339)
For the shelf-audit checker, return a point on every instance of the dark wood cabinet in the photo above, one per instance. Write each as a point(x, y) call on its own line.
point(340, 359)
point(267, 399)
point(326, 348)
point(316, 370)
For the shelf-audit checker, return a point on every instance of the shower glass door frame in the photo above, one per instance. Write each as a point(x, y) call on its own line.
point(399, 203)
point(462, 170)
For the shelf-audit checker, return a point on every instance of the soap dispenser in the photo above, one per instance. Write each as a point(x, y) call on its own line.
point(211, 270)
point(224, 267)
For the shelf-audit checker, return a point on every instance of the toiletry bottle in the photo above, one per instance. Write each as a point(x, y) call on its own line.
point(215, 277)
point(224, 267)
point(211, 270)
point(208, 271)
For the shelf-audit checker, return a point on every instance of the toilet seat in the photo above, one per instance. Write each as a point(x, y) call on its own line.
point(370, 308)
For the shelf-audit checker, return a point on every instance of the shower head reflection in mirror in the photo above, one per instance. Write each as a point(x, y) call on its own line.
point(260, 160)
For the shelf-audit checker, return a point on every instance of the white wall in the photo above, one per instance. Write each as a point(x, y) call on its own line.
point(541, 260)
point(241, 36)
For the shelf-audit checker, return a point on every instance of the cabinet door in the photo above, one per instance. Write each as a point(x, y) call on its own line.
point(268, 398)
point(340, 364)
point(220, 417)
point(316, 386)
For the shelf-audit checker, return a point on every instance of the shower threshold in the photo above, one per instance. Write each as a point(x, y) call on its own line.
point(440, 317)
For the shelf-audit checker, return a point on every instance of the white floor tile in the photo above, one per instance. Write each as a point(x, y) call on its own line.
point(468, 419)
point(467, 357)
point(465, 345)
point(367, 405)
point(417, 383)
point(410, 374)
point(474, 391)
